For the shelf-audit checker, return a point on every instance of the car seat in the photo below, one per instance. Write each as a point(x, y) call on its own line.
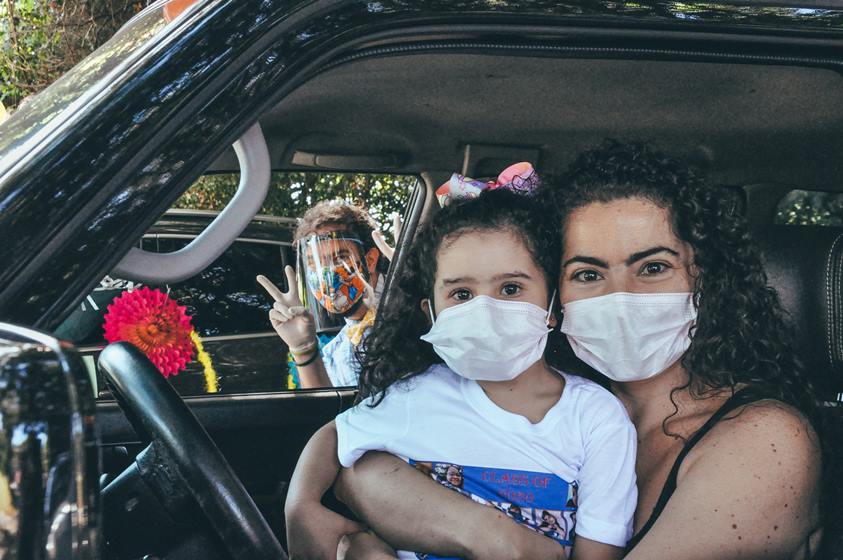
point(805, 265)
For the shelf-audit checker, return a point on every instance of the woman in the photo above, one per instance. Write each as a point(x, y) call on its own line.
point(728, 464)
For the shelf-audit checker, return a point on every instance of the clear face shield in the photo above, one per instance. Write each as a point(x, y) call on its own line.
point(332, 267)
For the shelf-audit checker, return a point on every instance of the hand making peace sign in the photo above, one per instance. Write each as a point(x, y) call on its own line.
point(293, 323)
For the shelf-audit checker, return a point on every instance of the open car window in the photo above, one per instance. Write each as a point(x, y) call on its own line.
point(228, 308)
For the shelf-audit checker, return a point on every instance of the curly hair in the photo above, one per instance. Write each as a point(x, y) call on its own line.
point(340, 215)
point(393, 349)
point(742, 335)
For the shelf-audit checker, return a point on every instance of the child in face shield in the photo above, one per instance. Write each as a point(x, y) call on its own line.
point(454, 380)
point(333, 271)
point(340, 264)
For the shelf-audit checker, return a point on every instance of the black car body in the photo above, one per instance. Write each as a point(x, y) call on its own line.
point(751, 90)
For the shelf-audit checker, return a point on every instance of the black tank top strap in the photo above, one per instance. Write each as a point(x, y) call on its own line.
point(744, 396)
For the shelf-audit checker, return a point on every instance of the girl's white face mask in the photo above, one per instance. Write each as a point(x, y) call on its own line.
point(488, 339)
point(630, 337)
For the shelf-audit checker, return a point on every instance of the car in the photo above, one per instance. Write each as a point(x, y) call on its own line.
point(750, 90)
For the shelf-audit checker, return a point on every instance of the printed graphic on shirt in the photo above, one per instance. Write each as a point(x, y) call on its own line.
point(541, 501)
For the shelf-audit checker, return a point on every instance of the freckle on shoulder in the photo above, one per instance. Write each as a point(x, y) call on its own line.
point(770, 414)
point(774, 424)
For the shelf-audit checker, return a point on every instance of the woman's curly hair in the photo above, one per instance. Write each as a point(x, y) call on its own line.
point(393, 350)
point(742, 336)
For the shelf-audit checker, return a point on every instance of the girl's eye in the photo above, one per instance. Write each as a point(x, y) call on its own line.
point(654, 268)
point(511, 290)
point(586, 276)
point(461, 294)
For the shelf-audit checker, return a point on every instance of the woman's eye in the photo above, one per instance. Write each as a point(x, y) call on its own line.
point(653, 268)
point(511, 290)
point(586, 276)
point(461, 295)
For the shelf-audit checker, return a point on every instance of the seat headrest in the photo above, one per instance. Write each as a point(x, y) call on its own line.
point(805, 266)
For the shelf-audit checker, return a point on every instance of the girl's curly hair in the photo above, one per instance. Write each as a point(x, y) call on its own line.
point(741, 336)
point(393, 350)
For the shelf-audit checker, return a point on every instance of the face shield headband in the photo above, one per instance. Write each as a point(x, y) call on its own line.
point(334, 270)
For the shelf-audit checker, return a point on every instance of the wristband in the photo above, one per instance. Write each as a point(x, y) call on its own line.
point(308, 361)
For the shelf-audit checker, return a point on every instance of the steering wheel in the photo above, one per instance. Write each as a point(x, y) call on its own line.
point(155, 409)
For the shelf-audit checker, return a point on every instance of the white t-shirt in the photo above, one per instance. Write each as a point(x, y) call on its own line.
point(574, 467)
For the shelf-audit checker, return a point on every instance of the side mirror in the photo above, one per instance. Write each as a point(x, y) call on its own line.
point(49, 452)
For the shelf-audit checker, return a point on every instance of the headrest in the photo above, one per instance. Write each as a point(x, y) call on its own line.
point(805, 265)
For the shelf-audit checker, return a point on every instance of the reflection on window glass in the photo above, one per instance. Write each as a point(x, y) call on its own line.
point(226, 306)
point(225, 299)
point(810, 208)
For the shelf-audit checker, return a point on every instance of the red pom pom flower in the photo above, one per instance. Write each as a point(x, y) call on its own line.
point(156, 324)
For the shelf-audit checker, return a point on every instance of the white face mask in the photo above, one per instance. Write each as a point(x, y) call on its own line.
point(488, 339)
point(630, 337)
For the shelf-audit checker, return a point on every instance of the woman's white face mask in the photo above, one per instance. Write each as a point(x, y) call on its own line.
point(630, 336)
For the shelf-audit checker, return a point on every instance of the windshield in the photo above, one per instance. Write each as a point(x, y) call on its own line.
point(67, 92)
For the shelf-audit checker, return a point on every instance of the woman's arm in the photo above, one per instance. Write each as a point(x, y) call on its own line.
point(750, 489)
point(412, 512)
point(313, 531)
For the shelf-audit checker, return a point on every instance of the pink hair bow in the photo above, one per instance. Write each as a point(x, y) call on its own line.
point(519, 178)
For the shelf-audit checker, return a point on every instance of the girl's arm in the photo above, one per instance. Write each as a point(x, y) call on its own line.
point(313, 531)
point(412, 512)
point(750, 489)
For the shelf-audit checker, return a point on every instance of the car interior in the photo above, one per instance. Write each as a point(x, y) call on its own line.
point(758, 128)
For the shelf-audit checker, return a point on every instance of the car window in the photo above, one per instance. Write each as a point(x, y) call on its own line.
point(228, 308)
point(810, 208)
point(224, 299)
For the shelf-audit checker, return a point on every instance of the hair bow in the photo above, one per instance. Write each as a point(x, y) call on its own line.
point(519, 178)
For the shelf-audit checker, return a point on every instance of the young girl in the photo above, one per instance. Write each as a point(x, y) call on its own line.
point(494, 422)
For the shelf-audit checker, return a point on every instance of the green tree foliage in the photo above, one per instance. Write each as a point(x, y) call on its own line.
point(27, 41)
point(291, 194)
point(42, 39)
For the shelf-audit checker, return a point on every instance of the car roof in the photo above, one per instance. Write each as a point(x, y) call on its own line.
point(745, 123)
